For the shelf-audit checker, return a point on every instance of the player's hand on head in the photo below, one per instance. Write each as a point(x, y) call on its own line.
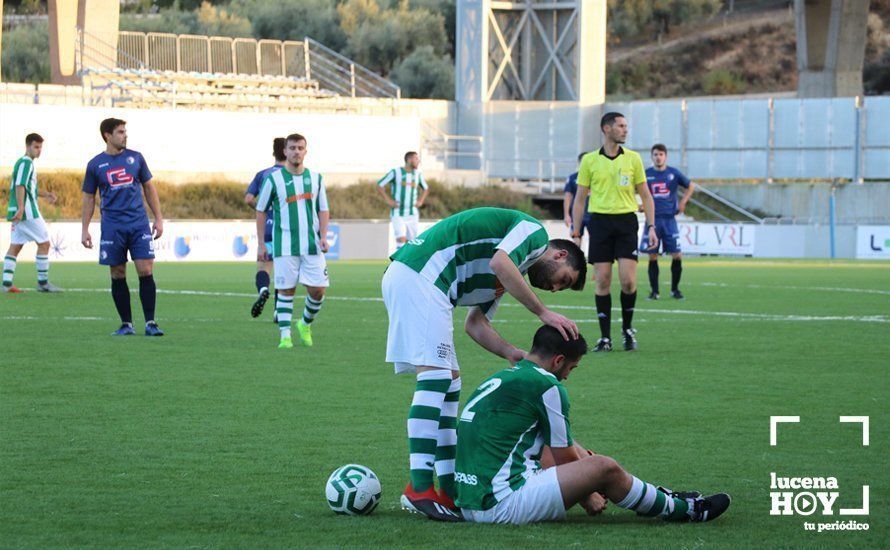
point(563, 324)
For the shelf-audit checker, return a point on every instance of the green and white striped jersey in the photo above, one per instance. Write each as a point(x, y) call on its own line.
point(296, 200)
point(404, 188)
point(454, 254)
point(24, 175)
point(502, 429)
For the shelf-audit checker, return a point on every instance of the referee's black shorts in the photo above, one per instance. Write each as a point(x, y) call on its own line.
point(612, 236)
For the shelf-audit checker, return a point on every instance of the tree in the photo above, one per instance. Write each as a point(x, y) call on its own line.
point(380, 41)
point(26, 53)
point(425, 74)
point(216, 21)
point(297, 19)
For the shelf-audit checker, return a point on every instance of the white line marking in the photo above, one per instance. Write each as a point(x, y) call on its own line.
point(792, 287)
point(773, 420)
point(694, 312)
point(860, 420)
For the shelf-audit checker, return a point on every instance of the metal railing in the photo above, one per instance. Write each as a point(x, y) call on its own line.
point(457, 152)
point(307, 59)
point(727, 203)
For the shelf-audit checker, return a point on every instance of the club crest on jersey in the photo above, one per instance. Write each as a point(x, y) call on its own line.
point(131, 160)
point(118, 176)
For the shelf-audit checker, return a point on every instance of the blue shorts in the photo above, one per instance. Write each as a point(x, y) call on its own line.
point(116, 241)
point(668, 237)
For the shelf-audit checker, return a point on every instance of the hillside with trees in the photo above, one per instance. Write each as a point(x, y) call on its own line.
point(657, 48)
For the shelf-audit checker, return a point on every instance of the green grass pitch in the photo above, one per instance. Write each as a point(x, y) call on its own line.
point(212, 437)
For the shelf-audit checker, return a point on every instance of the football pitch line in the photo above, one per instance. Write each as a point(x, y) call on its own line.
point(681, 312)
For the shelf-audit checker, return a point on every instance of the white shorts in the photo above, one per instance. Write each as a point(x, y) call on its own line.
point(421, 329)
point(27, 231)
point(310, 270)
point(404, 226)
point(538, 500)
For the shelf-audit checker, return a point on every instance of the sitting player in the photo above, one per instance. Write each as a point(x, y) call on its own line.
point(518, 414)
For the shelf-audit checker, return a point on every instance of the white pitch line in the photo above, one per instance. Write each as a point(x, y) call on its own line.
point(731, 314)
point(792, 287)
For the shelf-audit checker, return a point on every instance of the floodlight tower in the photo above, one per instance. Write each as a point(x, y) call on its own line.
point(531, 50)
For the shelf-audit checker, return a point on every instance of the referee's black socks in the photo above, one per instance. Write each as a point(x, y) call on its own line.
point(147, 295)
point(676, 271)
point(628, 301)
point(653, 275)
point(604, 314)
point(120, 293)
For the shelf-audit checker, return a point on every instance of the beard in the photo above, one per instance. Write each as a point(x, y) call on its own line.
point(540, 274)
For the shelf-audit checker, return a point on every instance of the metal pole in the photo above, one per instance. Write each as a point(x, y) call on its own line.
point(831, 219)
point(857, 143)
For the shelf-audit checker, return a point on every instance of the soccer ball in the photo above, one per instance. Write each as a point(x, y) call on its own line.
point(353, 490)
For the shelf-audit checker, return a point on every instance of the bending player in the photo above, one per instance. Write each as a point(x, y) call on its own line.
point(521, 413)
point(469, 259)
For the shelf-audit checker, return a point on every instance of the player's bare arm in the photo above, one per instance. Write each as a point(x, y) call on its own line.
point(154, 203)
point(684, 200)
point(649, 209)
point(385, 194)
point(86, 214)
point(514, 283)
point(48, 195)
point(20, 198)
point(567, 209)
point(422, 198)
point(480, 330)
point(261, 254)
point(578, 210)
point(324, 218)
point(250, 200)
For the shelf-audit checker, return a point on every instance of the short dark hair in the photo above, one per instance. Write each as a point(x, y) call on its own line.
point(278, 149)
point(109, 125)
point(659, 147)
point(548, 342)
point(575, 259)
point(296, 137)
point(32, 137)
point(409, 154)
point(609, 119)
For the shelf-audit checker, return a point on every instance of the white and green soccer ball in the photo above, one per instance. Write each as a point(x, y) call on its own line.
point(353, 490)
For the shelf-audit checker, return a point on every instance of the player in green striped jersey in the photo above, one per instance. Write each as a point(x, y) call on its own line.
point(400, 188)
point(469, 259)
point(27, 223)
point(517, 462)
point(299, 237)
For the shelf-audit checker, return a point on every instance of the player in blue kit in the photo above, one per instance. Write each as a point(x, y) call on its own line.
point(121, 176)
point(263, 266)
point(569, 192)
point(663, 182)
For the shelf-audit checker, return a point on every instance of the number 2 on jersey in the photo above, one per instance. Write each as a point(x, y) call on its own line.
point(486, 388)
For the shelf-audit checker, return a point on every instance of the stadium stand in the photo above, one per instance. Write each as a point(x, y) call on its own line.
point(158, 69)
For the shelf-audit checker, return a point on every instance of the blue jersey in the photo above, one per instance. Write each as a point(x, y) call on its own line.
point(572, 187)
point(254, 189)
point(663, 185)
point(119, 179)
